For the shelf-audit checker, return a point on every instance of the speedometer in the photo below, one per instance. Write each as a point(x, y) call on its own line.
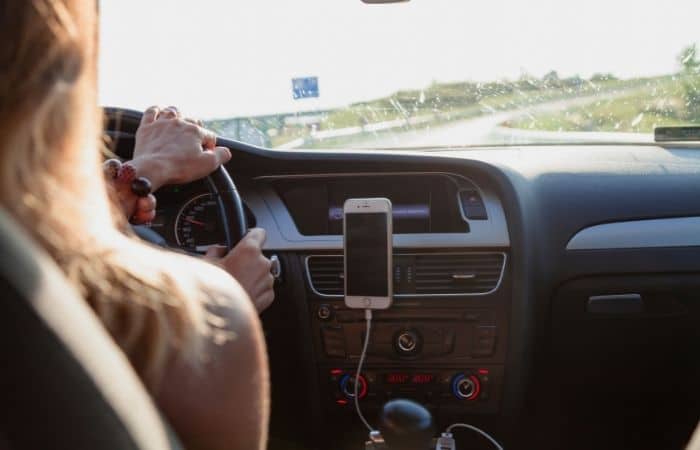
point(198, 224)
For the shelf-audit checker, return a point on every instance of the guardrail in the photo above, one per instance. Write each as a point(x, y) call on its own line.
point(353, 131)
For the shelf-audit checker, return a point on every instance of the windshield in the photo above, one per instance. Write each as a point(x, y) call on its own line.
point(294, 74)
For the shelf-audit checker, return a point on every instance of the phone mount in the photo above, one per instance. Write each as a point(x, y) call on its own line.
point(403, 425)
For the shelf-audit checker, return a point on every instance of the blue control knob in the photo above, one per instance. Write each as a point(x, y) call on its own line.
point(466, 387)
point(347, 386)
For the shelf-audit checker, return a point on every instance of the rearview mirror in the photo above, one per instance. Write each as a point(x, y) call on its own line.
point(372, 2)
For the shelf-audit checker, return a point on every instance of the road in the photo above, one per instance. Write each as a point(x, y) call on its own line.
point(488, 130)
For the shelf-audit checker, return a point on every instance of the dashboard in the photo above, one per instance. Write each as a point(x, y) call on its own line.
point(444, 341)
point(305, 211)
point(547, 288)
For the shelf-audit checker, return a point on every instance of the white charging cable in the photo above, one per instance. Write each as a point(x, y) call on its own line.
point(447, 442)
point(368, 318)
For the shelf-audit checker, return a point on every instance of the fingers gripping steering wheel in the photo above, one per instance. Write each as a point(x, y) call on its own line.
point(122, 125)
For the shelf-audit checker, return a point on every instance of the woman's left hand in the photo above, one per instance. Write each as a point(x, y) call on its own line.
point(172, 150)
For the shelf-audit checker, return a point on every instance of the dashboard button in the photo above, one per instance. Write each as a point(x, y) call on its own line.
point(333, 340)
point(448, 342)
point(433, 350)
point(347, 316)
point(408, 342)
point(325, 312)
point(484, 340)
point(472, 317)
point(472, 205)
point(380, 349)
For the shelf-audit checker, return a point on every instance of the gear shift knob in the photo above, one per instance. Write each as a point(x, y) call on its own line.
point(406, 425)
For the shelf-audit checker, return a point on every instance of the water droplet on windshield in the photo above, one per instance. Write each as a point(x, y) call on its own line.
point(637, 120)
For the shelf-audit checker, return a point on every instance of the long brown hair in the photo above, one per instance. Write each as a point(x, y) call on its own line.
point(51, 182)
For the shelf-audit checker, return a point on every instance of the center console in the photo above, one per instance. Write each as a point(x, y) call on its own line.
point(442, 343)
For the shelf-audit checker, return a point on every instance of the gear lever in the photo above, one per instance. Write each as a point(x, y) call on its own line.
point(405, 425)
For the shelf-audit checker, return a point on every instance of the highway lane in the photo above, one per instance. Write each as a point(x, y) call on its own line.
point(489, 129)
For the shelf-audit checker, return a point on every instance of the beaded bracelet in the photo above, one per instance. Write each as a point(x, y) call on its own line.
point(125, 173)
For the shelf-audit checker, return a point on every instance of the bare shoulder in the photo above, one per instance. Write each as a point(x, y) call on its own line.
point(205, 287)
point(210, 279)
point(228, 313)
point(220, 401)
point(224, 316)
point(694, 443)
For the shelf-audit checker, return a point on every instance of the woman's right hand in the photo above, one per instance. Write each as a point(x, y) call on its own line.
point(247, 264)
point(173, 150)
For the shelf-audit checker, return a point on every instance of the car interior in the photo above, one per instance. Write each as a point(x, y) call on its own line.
point(546, 293)
point(579, 330)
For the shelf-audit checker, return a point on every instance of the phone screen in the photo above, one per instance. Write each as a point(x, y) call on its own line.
point(366, 256)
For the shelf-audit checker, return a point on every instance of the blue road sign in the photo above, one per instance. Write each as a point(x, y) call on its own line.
point(304, 87)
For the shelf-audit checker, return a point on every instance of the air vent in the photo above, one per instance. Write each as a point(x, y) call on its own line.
point(326, 274)
point(474, 273)
point(466, 273)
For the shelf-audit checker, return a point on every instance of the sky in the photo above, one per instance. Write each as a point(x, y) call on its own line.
point(226, 58)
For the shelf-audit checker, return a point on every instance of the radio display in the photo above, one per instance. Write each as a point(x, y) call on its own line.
point(399, 212)
point(405, 378)
point(422, 203)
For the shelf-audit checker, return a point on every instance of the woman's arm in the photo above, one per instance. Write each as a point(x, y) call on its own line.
point(168, 150)
point(224, 404)
point(173, 150)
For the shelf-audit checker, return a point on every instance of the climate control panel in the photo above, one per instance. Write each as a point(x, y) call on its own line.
point(475, 389)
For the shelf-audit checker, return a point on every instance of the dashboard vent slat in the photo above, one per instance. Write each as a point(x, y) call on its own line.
point(325, 274)
point(476, 273)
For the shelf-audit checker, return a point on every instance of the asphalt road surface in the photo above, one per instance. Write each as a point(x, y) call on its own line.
point(488, 129)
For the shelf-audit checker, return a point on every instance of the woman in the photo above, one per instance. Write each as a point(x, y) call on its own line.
point(171, 314)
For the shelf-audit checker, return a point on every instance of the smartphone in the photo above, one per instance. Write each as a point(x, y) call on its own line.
point(368, 243)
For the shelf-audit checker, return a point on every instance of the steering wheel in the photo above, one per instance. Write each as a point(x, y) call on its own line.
point(233, 219)
point(121, 126)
